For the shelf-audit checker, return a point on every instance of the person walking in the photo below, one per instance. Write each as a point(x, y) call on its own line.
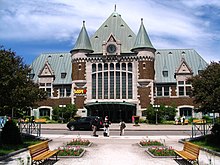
point(122, 127)
point(106, 126)
point(94, 124)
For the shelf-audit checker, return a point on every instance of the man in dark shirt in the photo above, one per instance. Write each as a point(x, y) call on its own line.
point(94, 127)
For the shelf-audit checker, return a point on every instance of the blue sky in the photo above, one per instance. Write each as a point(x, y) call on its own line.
point(39, 26)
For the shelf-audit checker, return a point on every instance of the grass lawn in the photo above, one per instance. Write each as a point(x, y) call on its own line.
point(207, 145)
point(6, 149)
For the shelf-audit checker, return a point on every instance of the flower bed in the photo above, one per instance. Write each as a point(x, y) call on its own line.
point(147, 143)
point(161, 152)
point(79, 142)
point(69, 151)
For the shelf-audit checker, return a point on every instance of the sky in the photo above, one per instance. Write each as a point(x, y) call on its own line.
point(32, 27)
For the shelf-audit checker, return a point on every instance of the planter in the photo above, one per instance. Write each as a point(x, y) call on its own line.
point(71, 152)
point(150, 143)
point(73, 156)
point(84, 146)
point(169, 153)
point(79, 142)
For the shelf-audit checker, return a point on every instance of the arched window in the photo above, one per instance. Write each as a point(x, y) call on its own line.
point(130, 67)
point(123, 66)
point(111, 66)
point(93, 67)
point(105, 66)
point(117, 66)
point(99, 67)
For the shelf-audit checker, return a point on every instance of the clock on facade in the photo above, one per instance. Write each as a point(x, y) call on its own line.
point(111, 48)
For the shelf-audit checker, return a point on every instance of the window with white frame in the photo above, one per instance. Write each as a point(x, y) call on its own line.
point(46, 87)
point(65, 91)
point(184, 88)
point(163, 91)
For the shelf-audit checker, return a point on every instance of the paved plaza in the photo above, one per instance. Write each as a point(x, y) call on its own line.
point(113, 150)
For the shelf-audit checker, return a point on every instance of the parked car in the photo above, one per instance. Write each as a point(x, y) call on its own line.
point(84, 123)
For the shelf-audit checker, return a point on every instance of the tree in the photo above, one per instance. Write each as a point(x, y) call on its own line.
point(163, 113)
point(18, 92)
point(64, 114)
point(206, 88)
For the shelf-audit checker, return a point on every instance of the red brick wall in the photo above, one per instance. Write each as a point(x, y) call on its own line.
point(79, 101)
point(144, 98)
point(55, 102)
point(148, 72)
point(78, 74)
point(175, 101)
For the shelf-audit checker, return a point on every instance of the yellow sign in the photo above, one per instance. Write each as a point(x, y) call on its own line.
point(80, 92)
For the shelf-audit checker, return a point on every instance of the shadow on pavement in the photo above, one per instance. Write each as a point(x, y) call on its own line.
point(182, 162)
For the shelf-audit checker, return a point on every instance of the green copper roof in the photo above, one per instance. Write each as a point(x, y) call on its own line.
point(59, 63)
point(170, 60)
point(83, 41)
point(165, 60)
point(114, 25)
point(142, 39)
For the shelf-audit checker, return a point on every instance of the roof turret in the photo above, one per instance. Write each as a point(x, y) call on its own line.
point(142, 39)
point(83, 41)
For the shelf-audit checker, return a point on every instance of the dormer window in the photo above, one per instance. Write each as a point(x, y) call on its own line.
point(31, 75)
point(165, 73)
point(63, 75)
point(200, 71)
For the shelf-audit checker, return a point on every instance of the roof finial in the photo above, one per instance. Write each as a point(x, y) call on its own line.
point(84, 23)
point(115, 7)
point(142, 20)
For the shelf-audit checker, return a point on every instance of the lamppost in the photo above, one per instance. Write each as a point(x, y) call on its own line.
point(156, 111)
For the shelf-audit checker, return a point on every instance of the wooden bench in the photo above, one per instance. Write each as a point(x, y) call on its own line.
point(40, 120)
point(190, 152)
point(40, 152)
point(199, 121)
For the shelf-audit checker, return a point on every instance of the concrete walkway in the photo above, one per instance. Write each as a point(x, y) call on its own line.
point(113, 150)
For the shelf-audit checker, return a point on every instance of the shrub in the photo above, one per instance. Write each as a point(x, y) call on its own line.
point(10, 134)
point(45, 117)
point(207, 119)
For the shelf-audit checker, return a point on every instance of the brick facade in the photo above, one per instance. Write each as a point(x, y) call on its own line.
point(79, 71)
point(147, 71)
point(55, 102)
point(79, 101)
point(144, 93)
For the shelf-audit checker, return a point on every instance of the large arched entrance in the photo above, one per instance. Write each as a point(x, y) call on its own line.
point(116, 111)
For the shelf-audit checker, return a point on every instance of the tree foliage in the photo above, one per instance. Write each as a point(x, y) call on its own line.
point(206, 88)
point(17, 92)
point(64, 113)
point(163, 113)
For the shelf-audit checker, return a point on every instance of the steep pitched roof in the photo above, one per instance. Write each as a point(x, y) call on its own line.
point(56, 61)
point(184, 68)
point(142, 39)
point(121, 31)
point(83, 41)
point(46, 70)
point(172, 57)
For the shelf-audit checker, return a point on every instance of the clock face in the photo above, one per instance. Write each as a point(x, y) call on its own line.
point(111, 48)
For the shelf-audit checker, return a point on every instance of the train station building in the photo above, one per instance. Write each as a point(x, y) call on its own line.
point(116, 72)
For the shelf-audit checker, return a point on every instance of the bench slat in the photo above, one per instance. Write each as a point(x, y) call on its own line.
point(41, 151)
point(190, 152)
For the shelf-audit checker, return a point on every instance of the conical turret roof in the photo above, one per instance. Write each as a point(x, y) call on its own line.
point(142, 39)
point(83, 41)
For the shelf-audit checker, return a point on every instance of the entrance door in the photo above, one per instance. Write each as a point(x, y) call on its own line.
point(115, 111)
point(187, 112)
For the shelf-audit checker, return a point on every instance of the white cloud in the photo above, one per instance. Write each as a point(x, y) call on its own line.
point(169, 24)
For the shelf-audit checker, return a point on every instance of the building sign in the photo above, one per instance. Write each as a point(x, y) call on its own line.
point(80, 92)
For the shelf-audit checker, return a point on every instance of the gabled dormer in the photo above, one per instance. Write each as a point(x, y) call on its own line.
point(184, 68)
point(46, 71)
point(111, 46)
